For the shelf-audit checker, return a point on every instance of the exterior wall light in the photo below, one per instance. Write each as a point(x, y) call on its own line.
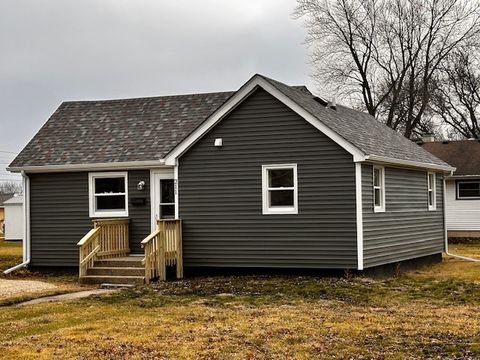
point(141, 185)
point(219, 142)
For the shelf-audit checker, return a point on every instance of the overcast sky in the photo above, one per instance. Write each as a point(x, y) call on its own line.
point(56, 50)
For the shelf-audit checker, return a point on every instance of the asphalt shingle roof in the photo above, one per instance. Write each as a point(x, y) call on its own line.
point(462, 154)
point(107, 131)
point(143, 129)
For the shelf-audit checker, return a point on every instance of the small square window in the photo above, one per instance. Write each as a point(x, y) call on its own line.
point(108, 194)
point(279, 189)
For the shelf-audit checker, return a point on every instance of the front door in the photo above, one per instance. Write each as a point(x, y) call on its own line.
point(163, 196)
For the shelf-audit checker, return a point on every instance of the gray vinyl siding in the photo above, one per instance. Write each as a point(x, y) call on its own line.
point(220, 193)
point(59, 215)
point(406, 229)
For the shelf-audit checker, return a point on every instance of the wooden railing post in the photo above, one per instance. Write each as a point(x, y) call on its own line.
point(179, 251)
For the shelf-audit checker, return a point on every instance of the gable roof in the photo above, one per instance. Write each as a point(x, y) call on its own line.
point(463, 154)
point(5, 197)
point(162, 128)
point(14, 200)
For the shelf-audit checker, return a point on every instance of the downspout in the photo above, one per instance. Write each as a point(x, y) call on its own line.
point(26, 225)
point(445, 227)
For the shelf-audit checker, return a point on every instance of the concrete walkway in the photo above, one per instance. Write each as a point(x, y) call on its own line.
point(67, 297)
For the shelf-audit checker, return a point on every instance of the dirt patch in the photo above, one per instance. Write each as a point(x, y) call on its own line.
point(10, 288)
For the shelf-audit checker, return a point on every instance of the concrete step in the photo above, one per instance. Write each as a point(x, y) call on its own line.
point(128, 261)
point(101, 279)
point(116, 271)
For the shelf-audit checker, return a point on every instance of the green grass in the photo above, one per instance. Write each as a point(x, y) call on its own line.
point(10, 254)
point(430, 313)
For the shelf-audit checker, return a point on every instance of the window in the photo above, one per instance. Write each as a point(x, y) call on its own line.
point(468, 189)
point(378, 189)
point(279, 188)
point(167, 199)
point(108, 194)
point(432, 192)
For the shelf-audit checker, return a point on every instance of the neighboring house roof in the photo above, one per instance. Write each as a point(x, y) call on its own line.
point(463, 154)
point(14, 200)
point(149, 129)
point(4, 197)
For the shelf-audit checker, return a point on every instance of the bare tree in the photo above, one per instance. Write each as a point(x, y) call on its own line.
point(457, 97)
point(387, 51)
point(10, 187)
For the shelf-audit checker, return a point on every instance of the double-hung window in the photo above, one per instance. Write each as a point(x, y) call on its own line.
point(432, 193)
point(280, 189)
point(378, 189)
point(108, 194)
point(469, 189)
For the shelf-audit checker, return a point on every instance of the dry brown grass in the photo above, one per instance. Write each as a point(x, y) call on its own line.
point(432, 313)
point(10, 255)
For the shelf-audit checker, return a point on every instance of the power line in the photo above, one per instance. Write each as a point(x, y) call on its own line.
point(17, 175)
point(8, 152)
point(10, 179)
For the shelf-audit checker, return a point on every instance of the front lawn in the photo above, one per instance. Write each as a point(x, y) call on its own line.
point(432, 313)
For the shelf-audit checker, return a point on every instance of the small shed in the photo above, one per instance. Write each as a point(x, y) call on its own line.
point(14, 218)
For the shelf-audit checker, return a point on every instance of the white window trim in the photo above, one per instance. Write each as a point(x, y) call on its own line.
point(380, 208)
point(433, 189)
point(91, 194)
point(267, 210)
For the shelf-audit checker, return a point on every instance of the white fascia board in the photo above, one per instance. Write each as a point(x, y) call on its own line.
point(251, 85)
point(409, 163)
point(89, 167)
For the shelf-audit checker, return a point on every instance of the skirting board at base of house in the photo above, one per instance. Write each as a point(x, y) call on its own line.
point(464, 234)
point(400, 267)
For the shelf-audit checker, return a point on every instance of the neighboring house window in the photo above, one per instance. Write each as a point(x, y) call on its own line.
point(108, 194)
point(167, 199)
point(280, 190)
point(468, 189)
point(432, 192)
point(378, 189)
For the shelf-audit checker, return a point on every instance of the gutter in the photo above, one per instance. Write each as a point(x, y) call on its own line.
point(409, 163)
point(465, 258)
point(26, 226)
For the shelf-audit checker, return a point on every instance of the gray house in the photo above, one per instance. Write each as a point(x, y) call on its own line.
point(269, 176)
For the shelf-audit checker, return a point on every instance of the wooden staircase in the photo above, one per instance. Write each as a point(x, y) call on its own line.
point(104, 254)
point(128, 270)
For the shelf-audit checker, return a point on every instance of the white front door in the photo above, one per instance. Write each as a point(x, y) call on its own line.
point(163, 195)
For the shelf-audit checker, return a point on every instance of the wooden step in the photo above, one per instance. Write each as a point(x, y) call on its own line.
point(116, 271)
point(127, 261)
point(103, 279)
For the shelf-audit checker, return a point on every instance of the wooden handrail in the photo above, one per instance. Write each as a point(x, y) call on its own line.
point(163, 247)
point(150, 237)
point(108, 238)
point(88, 236)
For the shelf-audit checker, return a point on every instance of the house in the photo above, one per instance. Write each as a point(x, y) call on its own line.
point(13, 218)
point(3, 198)
point(268, 176)
point(463, 187)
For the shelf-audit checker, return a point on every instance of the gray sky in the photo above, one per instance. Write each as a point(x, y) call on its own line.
point(56, 50)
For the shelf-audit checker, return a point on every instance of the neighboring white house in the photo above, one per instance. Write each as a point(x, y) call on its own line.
point(14, 218)
point(463, 187)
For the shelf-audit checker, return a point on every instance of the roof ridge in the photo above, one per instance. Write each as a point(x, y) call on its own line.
point(147, 97)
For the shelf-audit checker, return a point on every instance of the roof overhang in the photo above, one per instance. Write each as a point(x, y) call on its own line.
point(249, 87)
point(129, 165)
point(409, 163)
